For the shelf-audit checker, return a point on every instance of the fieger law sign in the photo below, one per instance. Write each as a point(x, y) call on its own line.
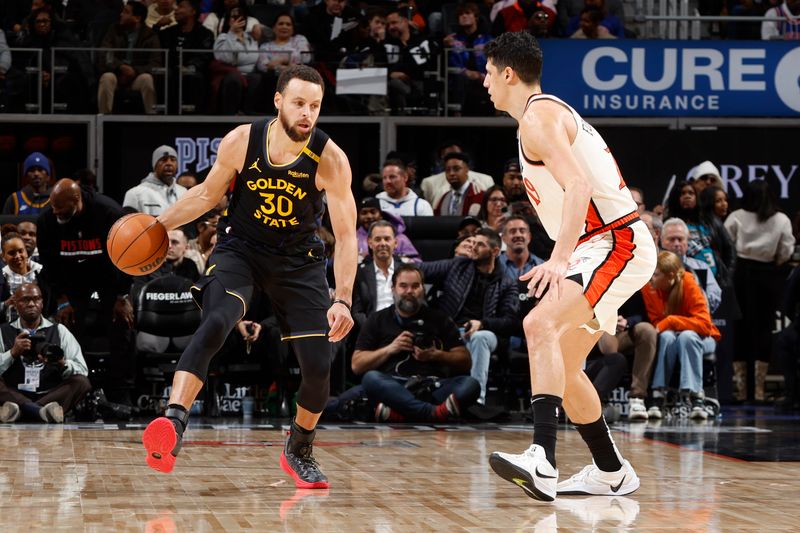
point(675, 78)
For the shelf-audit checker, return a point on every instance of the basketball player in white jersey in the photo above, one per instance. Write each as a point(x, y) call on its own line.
point(603, 254)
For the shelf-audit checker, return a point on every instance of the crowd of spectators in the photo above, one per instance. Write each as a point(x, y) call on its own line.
point(248, 42)
point(435, 333)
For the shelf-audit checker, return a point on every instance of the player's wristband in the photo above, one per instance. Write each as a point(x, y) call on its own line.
point(343, 302)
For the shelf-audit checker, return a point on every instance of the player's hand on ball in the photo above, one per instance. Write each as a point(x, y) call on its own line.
point(546, 277)
point(339, 321)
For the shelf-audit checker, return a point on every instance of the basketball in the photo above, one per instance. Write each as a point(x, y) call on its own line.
point(137, 244)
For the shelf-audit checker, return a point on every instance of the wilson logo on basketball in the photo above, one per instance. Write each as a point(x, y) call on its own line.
point(151, 266)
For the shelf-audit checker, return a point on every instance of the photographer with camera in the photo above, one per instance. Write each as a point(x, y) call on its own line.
point(43, 374)
point(414, 363)
point(481, 298)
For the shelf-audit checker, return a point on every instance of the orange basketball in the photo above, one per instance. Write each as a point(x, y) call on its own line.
point(137, 244)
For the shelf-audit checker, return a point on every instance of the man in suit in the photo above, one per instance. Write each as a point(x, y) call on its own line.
point(373, 287)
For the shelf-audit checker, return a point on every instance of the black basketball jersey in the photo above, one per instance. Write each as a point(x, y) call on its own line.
point(277, 205)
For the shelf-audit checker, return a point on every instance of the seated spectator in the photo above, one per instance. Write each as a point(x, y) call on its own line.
point(462, 198)
point(467, 60)
point(176, 262)
point(188, 34)
point(677, 308)
point(35, 196)
point(18, 270)
point(368, 48)
point(704, 175)
point(70, 87)
point(330, 28)
point(468, 226)
point(396, 198)
point(655, 224)
point(635, 337)
point(215, 21)
point(569, 9)
point(480, 297)
point(412, 360)
point(517, 258)
point(464, 246)
point(513, 186)
point(158, 189)
point(43, 371)
point(27, 232)
point(410, 55)
point(675, 239)
point(373, 284)
point(161, 15)
point(286, 48)
point(494, 208)
point(590, 25)
point(638, 197)
point(788, 28)
point(86, 179)
point(606, 370)
point(236, 52)
point(369, 212)
point(609, 21)
point(541, 22)
point(200, 247)
point(129, 70)
point(682, 203)
point(435, 185)
point(187, 179)
point(516, 16)
point(75, 266)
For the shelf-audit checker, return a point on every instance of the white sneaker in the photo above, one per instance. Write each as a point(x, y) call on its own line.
point(636, 409)
point(601, 511)
point(9, 412)
point(593, 481)
point(654, 413)
point(530, 470)
point(698, 413)
point(52, 413)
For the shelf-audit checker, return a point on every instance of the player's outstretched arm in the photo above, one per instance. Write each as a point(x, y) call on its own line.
point(335, 177)
point(547, 135)
point(204, 196)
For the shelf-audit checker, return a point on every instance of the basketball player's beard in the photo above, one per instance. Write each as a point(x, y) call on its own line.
point(294, 134)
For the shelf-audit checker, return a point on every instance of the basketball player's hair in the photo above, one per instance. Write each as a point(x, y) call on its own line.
point(407, 267)
point(491, 235)
point(381, 224)
point(519, 51)
point(395, 163)
point(670, 264)
point(301, 72)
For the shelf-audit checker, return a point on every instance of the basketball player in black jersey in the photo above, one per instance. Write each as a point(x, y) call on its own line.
point(281, 168)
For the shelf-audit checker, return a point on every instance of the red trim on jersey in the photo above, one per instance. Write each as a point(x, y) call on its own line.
point(593, 218)
point(610, 269)
point(627, 220)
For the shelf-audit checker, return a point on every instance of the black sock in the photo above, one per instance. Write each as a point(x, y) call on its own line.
point(31, 411)
point(177, 413)
point(545, 423)
point(297, 428)
point(598, 437)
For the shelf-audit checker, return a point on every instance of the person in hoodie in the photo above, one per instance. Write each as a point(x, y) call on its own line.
point(397, 198)
point(158, 190)
point(71, 236)
point(370, 212)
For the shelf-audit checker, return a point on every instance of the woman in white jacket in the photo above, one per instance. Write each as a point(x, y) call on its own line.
point(236, 47)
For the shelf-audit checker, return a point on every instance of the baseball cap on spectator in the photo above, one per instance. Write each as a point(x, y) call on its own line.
point(511, 165)
point(469, 220)
point(370, 202)
point(706, 167)
point(162, 152)
point(36, 159)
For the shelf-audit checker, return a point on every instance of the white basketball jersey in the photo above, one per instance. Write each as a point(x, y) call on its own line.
point(611, 199)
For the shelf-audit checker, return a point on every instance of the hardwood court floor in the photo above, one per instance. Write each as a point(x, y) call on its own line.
point(384, 480)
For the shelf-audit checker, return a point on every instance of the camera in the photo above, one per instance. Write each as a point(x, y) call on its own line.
point(52, 353)
point(423, 340)
point(38, 343)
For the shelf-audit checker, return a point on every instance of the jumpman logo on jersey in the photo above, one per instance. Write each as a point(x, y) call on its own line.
point(254, 166)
